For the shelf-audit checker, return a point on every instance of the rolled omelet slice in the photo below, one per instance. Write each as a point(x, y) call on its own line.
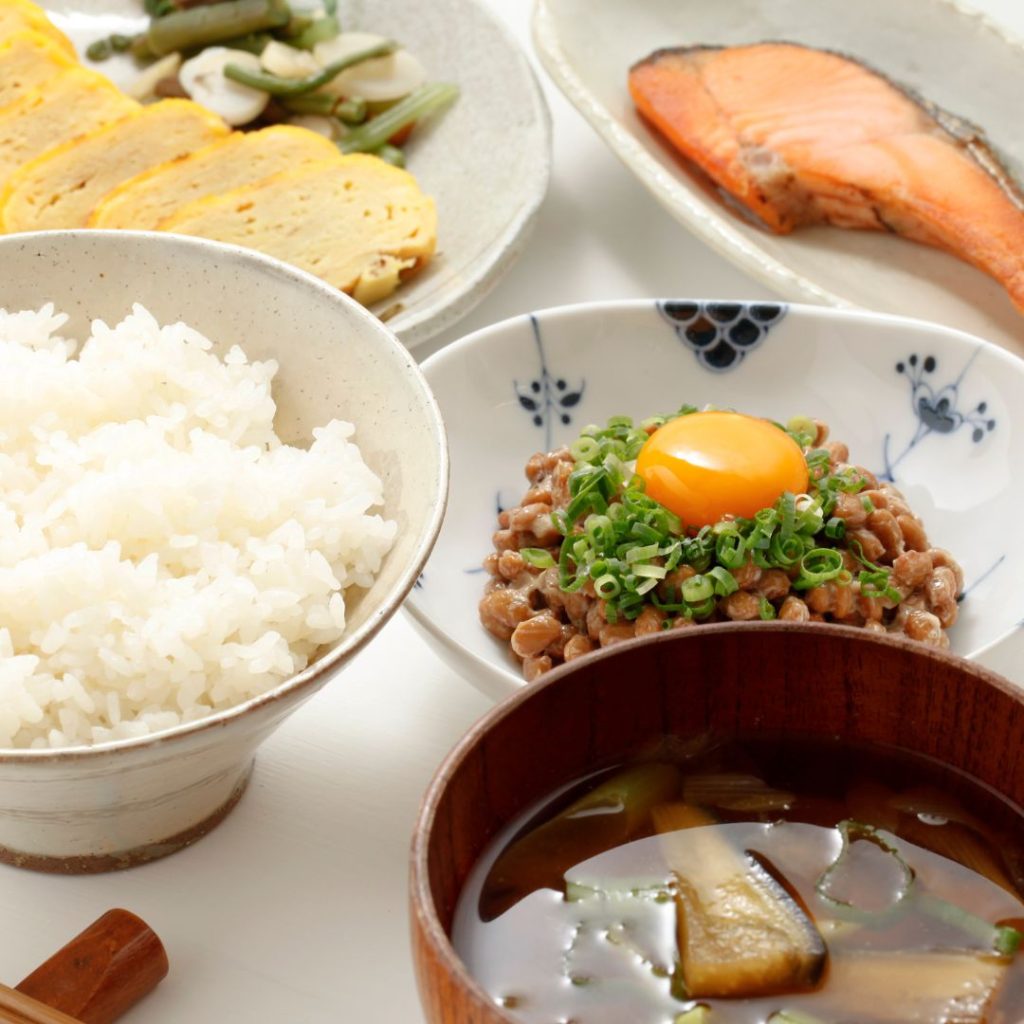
point(354, 221)
point(71, 103)
point(27, 60)
point(60, 188)
point(243, 158)
point(20, 14)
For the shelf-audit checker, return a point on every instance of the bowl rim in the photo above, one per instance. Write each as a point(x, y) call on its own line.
point(505, 676)
point(302, 683)
point(423, 908)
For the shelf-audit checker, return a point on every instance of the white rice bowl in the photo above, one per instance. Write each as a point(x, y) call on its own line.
point(162, 554)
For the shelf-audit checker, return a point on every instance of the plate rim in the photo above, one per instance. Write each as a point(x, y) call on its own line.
point(511, 243)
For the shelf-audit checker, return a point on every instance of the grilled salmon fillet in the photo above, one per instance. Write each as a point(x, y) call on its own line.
point(805, 136)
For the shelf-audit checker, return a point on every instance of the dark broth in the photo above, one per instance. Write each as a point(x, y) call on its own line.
point(573, 914)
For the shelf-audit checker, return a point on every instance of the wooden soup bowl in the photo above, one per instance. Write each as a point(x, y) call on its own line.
point(729, 679)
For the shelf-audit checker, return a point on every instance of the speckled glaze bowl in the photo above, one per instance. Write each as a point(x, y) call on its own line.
point(930, 408)
point(115, 804)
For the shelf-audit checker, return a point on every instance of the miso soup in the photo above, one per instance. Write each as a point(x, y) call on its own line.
point(764, 882)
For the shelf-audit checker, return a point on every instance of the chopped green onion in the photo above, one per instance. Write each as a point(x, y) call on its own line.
point(539, 558)
point(803, 430)
point(584, 448)
point(766, 609)
point(655, 572)
point(835, 528)
point(724, 581)
point(1001, 939)
point(697, 589)
point(642, 552)
point(787, 515)
point(786, 553)
point(818, 462)
point(850, 831)
point(1007, 941)
point(607, 586)
point(793, 1017)
point(818, 566)
point(730, 548)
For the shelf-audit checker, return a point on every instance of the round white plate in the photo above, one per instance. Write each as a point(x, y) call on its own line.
point(486, 161)
point(930, 408)
point(952, 57)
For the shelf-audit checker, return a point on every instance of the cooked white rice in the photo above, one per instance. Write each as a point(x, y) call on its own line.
point(162, 554)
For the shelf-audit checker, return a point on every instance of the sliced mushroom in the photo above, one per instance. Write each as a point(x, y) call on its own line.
point(288, 62)
point(204, 80)
point(380, 80)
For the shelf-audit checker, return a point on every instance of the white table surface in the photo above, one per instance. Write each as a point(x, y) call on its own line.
point(293, 911)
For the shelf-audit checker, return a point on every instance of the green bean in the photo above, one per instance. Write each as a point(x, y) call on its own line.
point(277, 86)
point(101, 49)
point(215, 23)
point(140, 47)
point(159, 8)
point(390, 154)
point(351, 111)
point(252, 42)
point(376, 132)
point(318, 31)
point(296, 26)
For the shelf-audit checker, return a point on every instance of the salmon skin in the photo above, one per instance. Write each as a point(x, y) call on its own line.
point(805, 136)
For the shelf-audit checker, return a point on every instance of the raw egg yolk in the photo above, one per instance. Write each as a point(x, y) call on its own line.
point(709, 464)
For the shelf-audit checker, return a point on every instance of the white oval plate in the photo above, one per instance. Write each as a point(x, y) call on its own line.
point(486, 161)
point(952, 57)
point(929, 407)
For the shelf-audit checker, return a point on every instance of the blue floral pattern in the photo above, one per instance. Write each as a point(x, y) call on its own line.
point(721, 334)
point(936, 409)
point(547, 397)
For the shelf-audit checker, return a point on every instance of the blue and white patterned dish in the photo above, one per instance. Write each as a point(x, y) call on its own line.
point(923, 405)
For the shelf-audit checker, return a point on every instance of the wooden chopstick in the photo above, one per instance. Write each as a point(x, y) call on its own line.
point(16, 1008)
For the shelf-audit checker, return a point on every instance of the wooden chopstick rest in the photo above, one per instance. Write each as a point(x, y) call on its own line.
point(96, 977)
